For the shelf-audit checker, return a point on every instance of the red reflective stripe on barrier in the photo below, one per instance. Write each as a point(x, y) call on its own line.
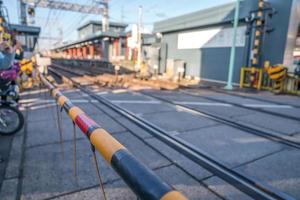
point(84, 122)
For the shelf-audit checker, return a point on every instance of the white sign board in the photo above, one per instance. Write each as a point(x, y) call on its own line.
point(197, 39)
point(43, 61)
point(211, 38)
point(131, 43)
point(134, 33)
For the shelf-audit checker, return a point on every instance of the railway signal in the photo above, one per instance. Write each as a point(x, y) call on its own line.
point(31, 11)
point(61, 5)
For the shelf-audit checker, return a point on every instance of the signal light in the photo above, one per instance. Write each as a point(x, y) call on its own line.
point(31, 11)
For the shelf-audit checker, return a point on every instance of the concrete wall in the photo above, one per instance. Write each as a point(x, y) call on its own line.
point(86, 31)
point(207, 17)
point(201, 62)
point(190, 56)
point(209, 62)
point(212, 63)
point(215, 64)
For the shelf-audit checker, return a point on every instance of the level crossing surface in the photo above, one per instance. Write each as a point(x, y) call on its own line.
point(45, 171)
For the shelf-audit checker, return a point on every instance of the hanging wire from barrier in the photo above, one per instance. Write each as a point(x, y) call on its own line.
point(117, 156)
point(60, 131)
point(98, 172)
point(75, 149)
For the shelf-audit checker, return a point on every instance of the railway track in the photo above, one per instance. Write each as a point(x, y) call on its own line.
point(254, 98)
point(287, 140)
point(270, 135)
point(256, 109)
point(246, 184)
point(261, 110)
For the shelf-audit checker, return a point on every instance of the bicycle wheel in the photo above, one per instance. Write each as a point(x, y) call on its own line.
point(11, 120)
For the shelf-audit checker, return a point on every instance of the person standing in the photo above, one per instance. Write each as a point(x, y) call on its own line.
point(7, 55)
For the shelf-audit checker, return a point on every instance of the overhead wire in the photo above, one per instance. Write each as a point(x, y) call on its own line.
point(150, 9)
point(45, 26)
point(74, 19)
point(48, 18)
point(56, 16)
point(59, 26)
point(70, 28)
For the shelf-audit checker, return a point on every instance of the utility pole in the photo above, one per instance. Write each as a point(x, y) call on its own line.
point(23, 13)
point(233, 48)
point(139, 61)
point(105, 16)
point(122, 14)
point(61, 35)
point(105, 28)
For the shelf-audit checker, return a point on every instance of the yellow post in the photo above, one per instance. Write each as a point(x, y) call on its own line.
point(242, 78)
point(252, 77)
point(267, 65)
point(296, 85)
point(260, 79)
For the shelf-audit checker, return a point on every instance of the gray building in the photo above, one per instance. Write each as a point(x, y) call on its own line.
point(202, 40)
point(95, 44)
point(28, 37)
point(93, 27)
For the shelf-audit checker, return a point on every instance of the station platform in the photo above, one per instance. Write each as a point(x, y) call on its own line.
point(40, 165)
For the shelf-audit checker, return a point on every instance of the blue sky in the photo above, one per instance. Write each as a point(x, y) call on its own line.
point(55, 23)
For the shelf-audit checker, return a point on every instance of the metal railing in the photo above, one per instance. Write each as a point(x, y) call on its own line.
point(141, 180)
point(274, 80)
point(257, 78)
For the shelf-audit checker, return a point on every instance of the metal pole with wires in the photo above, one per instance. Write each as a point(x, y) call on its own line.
point(105, 28)
point(233, 48)
point(105, 16)
point(22, 12)
point(140, 28)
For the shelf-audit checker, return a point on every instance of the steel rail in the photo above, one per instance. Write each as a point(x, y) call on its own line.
point(287, 140)
point(280, 138)
point(256, 98)
point(142, 181)
point(261, 110)
point(248, 185)
point(230, 103)
point(251, 187)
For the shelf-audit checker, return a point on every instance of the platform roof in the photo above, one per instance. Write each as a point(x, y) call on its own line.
point(211, 16)
point(33, 30)
point(111, 24)
point(97, 36)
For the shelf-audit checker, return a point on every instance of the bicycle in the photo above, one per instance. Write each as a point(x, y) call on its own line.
point(11, 118)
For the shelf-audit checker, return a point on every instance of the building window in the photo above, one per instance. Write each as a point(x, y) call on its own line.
point(22, 39)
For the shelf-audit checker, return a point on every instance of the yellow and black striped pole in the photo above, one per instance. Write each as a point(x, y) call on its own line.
point(143, 182)
point(256, 51)
point(258, 35)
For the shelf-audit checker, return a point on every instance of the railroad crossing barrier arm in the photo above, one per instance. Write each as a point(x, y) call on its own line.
point(141, 180)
